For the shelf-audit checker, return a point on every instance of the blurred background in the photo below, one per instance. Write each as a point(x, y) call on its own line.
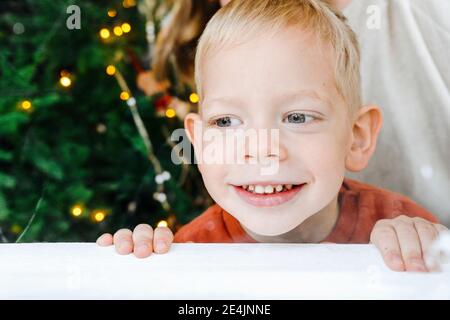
point(91, 91)
point(77, 103)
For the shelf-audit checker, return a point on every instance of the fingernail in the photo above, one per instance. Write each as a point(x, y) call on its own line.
point(160, 245)
point(142, 246)
point(418, 265)
point(124, 246)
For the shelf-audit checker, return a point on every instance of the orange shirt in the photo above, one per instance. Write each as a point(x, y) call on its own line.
point(361, 206)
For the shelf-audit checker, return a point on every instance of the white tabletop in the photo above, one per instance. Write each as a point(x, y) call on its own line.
point(210, 271)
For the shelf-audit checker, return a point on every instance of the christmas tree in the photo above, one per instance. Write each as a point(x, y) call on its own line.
point(82, 150)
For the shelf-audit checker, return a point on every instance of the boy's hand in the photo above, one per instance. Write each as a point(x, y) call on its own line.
point(404, 242)
point(142, 241)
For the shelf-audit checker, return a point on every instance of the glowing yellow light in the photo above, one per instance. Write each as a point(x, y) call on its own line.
point(118, 31)
point(77, 210)
point(99, 216)
point(15, 228)
point(110, 70)
point(170, 113)
point(126, 27)
point(104, 33)
point(162, 223)
point(26, 105)
point(124, 95)
point(194, 98)
point(65, 81)
point(128, 3)
point(112, 13)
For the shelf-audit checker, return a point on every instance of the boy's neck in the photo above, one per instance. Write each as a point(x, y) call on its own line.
point(313, 230)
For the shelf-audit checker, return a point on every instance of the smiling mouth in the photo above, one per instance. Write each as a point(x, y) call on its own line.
point(268, 189)
point(267, 195)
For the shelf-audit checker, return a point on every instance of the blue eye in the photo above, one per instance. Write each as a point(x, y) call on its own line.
point(226, 122)
point(298, 117)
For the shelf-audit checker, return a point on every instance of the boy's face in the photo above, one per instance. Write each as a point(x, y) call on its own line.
point(284, 82)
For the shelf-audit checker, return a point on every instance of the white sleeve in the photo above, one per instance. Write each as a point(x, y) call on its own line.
point(405, 69)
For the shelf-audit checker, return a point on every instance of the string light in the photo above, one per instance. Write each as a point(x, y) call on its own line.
point(194, 98)
point(110, 70)
point(162, 223)
point(99, 215)
point(128, 3)
point(65, 81)
point(126, 27)
point(104, 33)
point(77, 210)
point(16, 229)
point(112, 13)
point(118, 31)
point(26, 105)
point(160, 196)
point(164, 176)
point(101, 128)
point(132, 206)
point(124, 96)
point(131, 102)
point(170, 113)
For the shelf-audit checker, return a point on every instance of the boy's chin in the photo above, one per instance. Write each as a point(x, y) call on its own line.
point(269, 233)
point(271, 227)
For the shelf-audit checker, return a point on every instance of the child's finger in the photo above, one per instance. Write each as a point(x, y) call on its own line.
point(105, 240)
point(143, 240)
point(427, 234)
point(439, 252)
point(440, 228)
point(123, 241)
point(162, 239)
point(410, 245)
point(385, 239)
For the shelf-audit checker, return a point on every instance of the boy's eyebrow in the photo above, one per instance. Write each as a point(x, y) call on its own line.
point(287, 96)
point(222, 100)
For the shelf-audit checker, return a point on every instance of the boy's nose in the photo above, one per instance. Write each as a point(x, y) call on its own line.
point(266, 148)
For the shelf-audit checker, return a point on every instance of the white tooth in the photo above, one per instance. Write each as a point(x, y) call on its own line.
point(268, 189)
point(251, 187)
point(259, 189)
point(289, 186)
point(278, 188)
point(245, 186)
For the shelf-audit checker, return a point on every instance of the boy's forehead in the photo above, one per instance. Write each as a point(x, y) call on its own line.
point(290, 62)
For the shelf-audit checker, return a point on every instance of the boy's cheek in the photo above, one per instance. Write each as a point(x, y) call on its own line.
point(325, 165)
point(321, 154)
point(214, 177)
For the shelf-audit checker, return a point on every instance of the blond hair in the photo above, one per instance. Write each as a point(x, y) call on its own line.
point(242, 20)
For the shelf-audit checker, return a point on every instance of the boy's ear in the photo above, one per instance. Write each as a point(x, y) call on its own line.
point(365, 130)
point(190, 121)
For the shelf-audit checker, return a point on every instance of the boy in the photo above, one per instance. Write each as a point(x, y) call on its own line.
point(292, 67)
